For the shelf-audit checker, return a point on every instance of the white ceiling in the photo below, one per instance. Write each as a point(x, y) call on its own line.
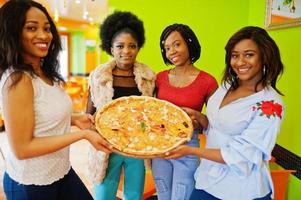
point(69, 9)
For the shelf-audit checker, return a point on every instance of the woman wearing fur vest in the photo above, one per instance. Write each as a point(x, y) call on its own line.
point(122, 36)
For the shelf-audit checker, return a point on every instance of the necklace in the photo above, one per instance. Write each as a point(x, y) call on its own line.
point(125, 69)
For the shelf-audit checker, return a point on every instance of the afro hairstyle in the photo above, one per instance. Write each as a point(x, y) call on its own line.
point(121, 22)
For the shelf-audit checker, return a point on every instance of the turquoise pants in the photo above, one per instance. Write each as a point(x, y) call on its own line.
point(134, 173)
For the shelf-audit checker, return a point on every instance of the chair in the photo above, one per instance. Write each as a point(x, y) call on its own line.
point(75, 92)
point(77, 88)
point(280, 180)
point(202, 138)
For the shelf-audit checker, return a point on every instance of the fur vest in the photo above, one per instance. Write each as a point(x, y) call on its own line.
point(101, 92)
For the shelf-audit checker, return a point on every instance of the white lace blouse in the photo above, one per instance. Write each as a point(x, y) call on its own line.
point(53, 108)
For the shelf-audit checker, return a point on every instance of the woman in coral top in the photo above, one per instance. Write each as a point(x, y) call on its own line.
point(188, 87)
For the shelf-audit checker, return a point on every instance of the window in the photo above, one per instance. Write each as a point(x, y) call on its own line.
point(64, 56)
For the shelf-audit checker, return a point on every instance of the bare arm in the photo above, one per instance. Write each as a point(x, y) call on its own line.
point(18, 112)
point(209, 154)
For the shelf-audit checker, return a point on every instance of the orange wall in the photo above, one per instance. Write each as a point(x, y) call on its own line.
point(72, 24)
point(2, 2)
point(90, 61)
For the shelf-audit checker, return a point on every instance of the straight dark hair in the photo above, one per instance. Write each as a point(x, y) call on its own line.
point(189, 37)
point(12, 21)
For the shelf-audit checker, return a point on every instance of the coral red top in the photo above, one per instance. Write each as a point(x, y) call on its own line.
point(193, 96)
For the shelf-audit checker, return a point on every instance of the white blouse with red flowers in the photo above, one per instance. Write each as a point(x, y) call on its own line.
point(245, 131)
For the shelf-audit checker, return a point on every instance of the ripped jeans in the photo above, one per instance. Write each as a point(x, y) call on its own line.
point(174, 178)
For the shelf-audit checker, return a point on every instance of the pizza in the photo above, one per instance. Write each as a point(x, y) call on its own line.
point(145, 127)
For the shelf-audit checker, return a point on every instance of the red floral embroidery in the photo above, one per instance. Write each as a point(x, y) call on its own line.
point(268, 108)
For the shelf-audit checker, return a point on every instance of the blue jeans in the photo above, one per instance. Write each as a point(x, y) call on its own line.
point(174, 178)
point(202, 195)
point(134, 174)
point(70, 187)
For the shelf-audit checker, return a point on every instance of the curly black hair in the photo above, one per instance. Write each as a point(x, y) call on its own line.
point(121, 22)
point(269, 54)
point(189, 37)
point(12, 21)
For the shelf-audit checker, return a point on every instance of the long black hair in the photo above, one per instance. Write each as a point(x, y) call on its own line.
point(12, 21)
point(269, 54)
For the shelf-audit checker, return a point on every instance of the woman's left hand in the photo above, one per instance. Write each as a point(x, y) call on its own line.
point(178, 152)
point(83, 121)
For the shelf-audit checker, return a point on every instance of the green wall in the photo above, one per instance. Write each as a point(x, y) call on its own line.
point(214, 22)
point(78, 48)
point(289, 42)
point(212, 28)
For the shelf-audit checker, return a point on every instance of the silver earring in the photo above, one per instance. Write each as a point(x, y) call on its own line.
point(264, 70)
point(192, 60)
point(42, 62)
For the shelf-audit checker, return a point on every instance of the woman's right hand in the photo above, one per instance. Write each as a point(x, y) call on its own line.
point(97, 141)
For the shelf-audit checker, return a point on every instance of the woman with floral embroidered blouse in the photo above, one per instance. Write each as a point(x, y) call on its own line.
point(244, 115)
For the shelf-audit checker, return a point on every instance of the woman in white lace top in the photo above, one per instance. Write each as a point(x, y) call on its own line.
point(36, 109)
